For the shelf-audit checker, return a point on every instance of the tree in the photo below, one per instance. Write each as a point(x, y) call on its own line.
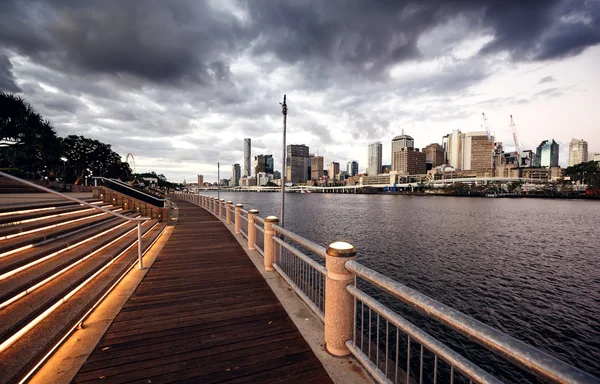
point(587, 173)
point(89, 157)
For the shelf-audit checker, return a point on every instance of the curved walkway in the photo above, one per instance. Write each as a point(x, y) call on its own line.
point(203, 313)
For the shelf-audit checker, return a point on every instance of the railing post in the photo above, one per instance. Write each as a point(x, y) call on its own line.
point(269, 244)
point(251, 229)
point(221, 203)
point(139, 231)
point(228, 212)
point(238, 209)
point(339, 303)
point(213, 204)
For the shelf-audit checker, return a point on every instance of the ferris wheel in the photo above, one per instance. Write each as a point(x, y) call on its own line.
point(131, 161)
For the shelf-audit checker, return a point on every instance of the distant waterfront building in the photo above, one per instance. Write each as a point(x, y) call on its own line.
point(445, 145)
point(578, 152)
point(527, 158)
point(409, 161)
point(263, 178)
point(334, 170)
point(476, 151)
point(594, 156)
point(200, 180)
point(247, 155)
point(276, 175)
point(400, 142)
point(454, 149)
point(386, 168)
point(435, 154)
point(316, 168)
point(247, 181)
point(352, 168)
point(374, 158)
point(546, 154)
point(264, 164)
point(236, 173)
point(297, 163)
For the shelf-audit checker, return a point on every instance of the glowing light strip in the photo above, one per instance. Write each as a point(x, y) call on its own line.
point(16, 250)
point(43, 282)
point(49, 216)
point(35, 262)
point(26, 211)
point(62, 340)
point(54, 225)
point(11, 340)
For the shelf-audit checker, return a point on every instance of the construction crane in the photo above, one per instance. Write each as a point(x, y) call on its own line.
point(491, 139)
point(517, 147)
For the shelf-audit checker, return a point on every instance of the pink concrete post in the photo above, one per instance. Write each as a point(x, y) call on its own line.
point(269, 242)
point(203, 201)
point(228, 212)
point(238, 209)
point(339, 304)
point(251, 229)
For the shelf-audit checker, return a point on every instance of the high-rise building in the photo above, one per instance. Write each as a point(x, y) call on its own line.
point(375, 160)
point(276, 175)
point(546, 154)
point(334, 170)
point(316, 167)
point(247, 155)
point(236, 174)
point(297, 163)
point(402, 141)
point(435, 154)
point(527, 158)
point(445, 146)
point(578, 152)
point(594, 156)
point(264, 164)
point(352, 168)
point(454, 149)
point(200, 180)
point(409, 161)
point(476, 151)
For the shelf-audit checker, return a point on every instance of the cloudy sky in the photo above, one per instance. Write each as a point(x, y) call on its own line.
point(180, 83)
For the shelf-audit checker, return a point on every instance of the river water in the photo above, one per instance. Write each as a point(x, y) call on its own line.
point(529, 267)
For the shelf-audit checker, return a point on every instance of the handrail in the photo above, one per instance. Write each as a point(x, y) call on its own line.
point(48, 190)
point(520, 353)
point(131, 188)
point(311, 246)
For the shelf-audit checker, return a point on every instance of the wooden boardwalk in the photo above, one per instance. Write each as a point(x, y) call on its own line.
point(202, 314)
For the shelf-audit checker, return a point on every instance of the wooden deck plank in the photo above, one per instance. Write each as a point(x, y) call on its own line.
point(202, 313)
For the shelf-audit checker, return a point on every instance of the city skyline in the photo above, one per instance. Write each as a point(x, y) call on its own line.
point(216, 71)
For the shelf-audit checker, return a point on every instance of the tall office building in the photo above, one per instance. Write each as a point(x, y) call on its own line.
point(297, 163)
point(316, 167)
point(200, 180)
point(264, 164)
point(454, 146)
point(445, 146)
point(476, 151)
point(594, 156)
point(236, 174)
point(333, 170)
point(546, 154)
point(578, 152)
point(409, 161)
point(435, 154)
point(374, 160)
point(352, 168)
point(247, 155)
point(402, 141)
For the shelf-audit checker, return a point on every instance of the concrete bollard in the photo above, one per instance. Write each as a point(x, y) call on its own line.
point(228, 212)
point(203, 201)
point(269, 242)
point(221, 205)
point(214, 205)
point(251, 229)
point(339, 304)
point(238, 210)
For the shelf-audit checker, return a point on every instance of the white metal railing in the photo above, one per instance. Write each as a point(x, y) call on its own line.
point(139, 220)
point(391, 348)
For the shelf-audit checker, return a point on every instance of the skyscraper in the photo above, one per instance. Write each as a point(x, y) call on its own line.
point(578, 152)
point(454, 149)
point(409, 161)
point(264, 164)
point(546, 154)
point(297, 163)
point(435, 154)
point(333, 170)
point(352, 168)
point(374, 164)
point(247, 155)
point(316, 167)
point(236, 174)
point(200, 180)
point(476, 151)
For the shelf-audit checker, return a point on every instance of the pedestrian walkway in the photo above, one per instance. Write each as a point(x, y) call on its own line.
point(203, 313)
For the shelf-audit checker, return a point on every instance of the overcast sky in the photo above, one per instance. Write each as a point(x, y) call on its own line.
point(180, 84)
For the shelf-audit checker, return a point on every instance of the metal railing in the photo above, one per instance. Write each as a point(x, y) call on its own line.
point(390, 347)
point(139, 220)
point(128, 190)
point(259, 241)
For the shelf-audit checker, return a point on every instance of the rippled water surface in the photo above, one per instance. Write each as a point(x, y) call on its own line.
point(529, 267)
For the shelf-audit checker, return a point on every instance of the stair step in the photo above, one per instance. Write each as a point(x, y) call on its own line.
point(23, 281)
point(11, 245)
point(25, 353)
point(29, 307)
point(7, 220)
point(12, 208)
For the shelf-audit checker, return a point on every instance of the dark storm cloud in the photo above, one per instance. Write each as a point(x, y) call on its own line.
point(7, 78)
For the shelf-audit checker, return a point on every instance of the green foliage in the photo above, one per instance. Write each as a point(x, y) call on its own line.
point(92, 157)
point(587, 173)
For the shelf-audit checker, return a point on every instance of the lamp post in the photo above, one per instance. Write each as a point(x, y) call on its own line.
point(218, 181)
point(283, 170)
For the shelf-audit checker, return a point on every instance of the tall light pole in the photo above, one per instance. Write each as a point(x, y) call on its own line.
point(218, 181)
point(283, 170)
